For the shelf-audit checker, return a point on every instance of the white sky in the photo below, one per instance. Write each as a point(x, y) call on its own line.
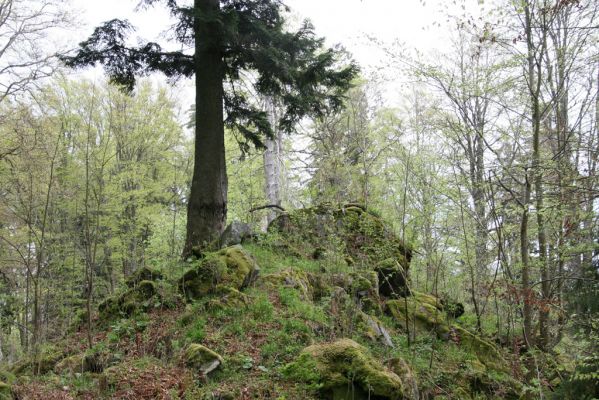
point(411, 22)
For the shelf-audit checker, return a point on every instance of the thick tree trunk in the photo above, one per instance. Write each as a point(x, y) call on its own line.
point(207, 207)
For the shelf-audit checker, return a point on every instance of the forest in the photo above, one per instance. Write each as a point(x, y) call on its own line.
point(239, 208)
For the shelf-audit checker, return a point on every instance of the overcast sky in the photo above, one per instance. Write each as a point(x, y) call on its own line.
point(348, 22)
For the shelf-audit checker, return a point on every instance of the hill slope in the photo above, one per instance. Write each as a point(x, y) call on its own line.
point(319, 308)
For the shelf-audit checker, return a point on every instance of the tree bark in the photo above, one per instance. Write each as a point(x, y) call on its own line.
point(272, 157)
point(207, 207)
point(524, 255)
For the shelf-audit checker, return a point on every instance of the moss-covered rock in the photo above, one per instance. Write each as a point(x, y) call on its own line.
point(423, 313)
point(422, 316)
point(345, 370)
point(71, 364)
point(144, 274)
point(361, 236)
point(428, 299)
point(40, 364)
point(232, 267)
point(407, 376)
point(364, 286)
point(293, 278)
point(202, 359)
point(138, 298)
point(227, 298)
point(373, 328)
point(392, 276)
point(484, 350)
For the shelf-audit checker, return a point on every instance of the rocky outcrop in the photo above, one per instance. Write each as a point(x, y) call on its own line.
point(364, 237)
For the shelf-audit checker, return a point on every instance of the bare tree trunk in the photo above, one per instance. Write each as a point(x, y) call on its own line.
point(524, 256)
point(272, 160)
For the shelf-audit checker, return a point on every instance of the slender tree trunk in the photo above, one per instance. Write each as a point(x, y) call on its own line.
point(207, 208)
point(534, 60)
point(524, 256)
point(272, 163)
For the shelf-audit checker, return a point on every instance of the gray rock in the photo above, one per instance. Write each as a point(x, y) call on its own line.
point(235, 233)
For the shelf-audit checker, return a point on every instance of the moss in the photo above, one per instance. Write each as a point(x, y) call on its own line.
point(202, 359)
point(334, 367)
point(144, 274)
point(232, 267)
point(129, 302)
point(423, 315)
point(227, 298)
point(7, 377)
point(485, 351)
point(408, 378)
point(43, 363)
point(392, 278)
point(364, 286)
point(71, 364)
point(241, 270)
point(5, 391)
point(293, 278)
point(428, 299)
point(361, 237)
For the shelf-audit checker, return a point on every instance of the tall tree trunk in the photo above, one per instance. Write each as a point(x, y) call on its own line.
point(534, 60)
point(207, 208)
point(524, 256)
point(272, 163)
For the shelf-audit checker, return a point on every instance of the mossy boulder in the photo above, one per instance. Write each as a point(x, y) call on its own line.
point(144, 274)
point(232, 267)
point(364, 286)
point(345, 370)
point(484, 350)
point(138, 298)
point(202, 359)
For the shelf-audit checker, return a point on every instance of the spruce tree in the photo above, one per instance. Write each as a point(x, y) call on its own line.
point(231, 39)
